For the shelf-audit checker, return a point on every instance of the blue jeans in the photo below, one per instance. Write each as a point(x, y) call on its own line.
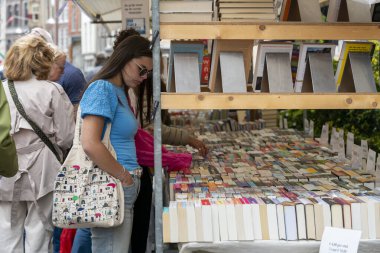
point(56, 239)
point(82, 241)
point(117, 239)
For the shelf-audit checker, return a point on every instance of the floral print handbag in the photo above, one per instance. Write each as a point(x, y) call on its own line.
point(84, 195)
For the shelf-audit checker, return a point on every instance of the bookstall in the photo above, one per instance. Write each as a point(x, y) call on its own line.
point(248, 100)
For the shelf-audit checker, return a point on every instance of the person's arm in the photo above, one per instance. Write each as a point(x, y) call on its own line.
point(92, 129)
point(63, 118)
point(8, 154)
point(176, 136)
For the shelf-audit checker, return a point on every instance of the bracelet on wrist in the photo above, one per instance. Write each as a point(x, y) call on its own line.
point(121, 175)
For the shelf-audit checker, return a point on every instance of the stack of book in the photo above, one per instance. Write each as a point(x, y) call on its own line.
point(186, 10)
point(246, 10)
point(268, 185)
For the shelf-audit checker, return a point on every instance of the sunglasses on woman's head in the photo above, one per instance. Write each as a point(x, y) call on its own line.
point(143, 70)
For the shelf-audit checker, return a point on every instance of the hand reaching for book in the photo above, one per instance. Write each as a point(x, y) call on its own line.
point(198, 144)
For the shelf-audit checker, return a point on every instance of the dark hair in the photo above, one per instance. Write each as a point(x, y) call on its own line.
point(123, 35)
point(127, 46)
point(101, 58)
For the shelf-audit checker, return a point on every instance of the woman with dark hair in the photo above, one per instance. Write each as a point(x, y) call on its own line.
point(105, 100)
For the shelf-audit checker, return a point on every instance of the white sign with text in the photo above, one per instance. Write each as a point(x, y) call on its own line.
point(338, 240)
point(135, 14)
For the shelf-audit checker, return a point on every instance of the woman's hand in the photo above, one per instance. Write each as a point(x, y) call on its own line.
point(126, 179)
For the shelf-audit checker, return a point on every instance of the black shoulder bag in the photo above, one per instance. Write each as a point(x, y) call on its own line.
point(36, 128)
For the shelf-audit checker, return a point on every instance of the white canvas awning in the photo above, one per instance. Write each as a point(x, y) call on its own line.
point(107, 12)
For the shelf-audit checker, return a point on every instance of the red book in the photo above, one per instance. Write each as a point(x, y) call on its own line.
point(205, 69)
point(205, 202)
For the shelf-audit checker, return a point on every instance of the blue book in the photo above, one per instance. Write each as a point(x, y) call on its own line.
point(183, 47)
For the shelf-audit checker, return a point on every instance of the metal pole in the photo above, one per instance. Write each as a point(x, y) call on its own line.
point(157, 127)
point(56, 21)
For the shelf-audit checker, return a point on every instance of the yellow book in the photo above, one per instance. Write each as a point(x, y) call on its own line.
point(350, 47)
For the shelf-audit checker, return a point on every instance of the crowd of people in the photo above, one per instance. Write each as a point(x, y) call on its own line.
point(50, 89)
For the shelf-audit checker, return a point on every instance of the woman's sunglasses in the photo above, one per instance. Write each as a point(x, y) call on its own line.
point(143, 70)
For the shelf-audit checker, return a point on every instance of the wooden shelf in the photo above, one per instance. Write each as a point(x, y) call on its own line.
point(270, 101)
point(274, 31)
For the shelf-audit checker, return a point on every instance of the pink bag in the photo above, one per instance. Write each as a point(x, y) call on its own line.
point(145, 154)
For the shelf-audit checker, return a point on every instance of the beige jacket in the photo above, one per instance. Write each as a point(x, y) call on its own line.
point(48, 106)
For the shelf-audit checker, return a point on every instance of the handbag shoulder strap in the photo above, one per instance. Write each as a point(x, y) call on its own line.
point(36, 128)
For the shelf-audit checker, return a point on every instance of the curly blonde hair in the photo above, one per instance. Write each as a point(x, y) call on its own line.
point(28, 55)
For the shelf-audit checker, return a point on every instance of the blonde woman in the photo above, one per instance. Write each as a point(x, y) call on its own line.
point(26, 198)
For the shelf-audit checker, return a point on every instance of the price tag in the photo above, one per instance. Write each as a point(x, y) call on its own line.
point(325, 135)
point(338, 240)
point(281, 122)
point(350, 143)
point(333, 137)
point(306, 125)
point(311, 129)
point(356, 157)
point(378, 163)
point(364, 145)
point(341, 150)
point(371, 160)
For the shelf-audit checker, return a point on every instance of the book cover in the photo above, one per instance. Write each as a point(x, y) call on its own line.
point(222, 218)
point(261, 50)
point(336, 212)
point(245, 5)
point(301, 221)
point(351, 47)
point(195, 47)
point(231, 221)
point(305, 50)
point(206, 64)
point(173, 217)
point(271, 219)
point(247, 219)
point(186, 17)
point(285, 10)
point(243, 46)
point(245, 10)
point(281, 217)
point(246, 1)
point(166, 225)
point(290, 222)
point(310, 218)
point(191, 222)
point(263, 16)
point(182, 221)
point(207, 220)
point(186, 6)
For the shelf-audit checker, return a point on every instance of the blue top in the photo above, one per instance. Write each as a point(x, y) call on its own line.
point(73, 82)
point(104, 99)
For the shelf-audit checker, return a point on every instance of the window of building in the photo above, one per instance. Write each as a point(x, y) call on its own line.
point(74, 18)
point(26, 14)
point(16, 15)
point(35, 9)
point(9, 16)
point(63, 17)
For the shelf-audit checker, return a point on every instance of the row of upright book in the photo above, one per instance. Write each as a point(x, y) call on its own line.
point(264, 10)
point(276, 218)
point(239, 66)
point(269, 185)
